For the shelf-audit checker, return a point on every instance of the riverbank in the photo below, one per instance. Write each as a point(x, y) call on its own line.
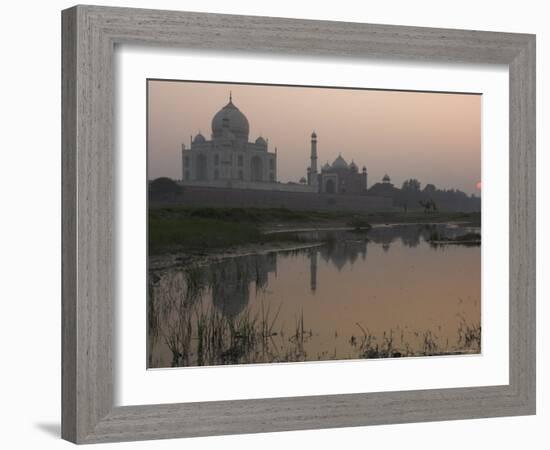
point(197, 231)
point(160, 262)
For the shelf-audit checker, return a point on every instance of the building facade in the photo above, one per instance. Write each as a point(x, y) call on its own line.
point(336, 178)
point(228, 158)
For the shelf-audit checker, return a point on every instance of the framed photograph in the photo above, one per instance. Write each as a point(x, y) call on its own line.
point(277, 224)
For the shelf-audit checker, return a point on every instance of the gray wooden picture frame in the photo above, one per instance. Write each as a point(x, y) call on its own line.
point(90, 34)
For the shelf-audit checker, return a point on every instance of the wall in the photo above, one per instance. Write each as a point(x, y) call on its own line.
point(30, 225)
point(236, 184)
point(245, 198)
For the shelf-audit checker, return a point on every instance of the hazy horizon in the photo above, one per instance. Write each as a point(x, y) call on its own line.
point(433, 137)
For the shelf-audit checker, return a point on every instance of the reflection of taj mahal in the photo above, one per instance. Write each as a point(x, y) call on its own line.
point(228, 159)
point(233, 280)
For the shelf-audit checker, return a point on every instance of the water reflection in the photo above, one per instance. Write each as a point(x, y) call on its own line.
point(347, 298)
point(230, 280)
point(341, 253)
point(313, 269)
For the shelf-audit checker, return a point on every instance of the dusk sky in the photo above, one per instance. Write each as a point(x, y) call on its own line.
point(433, 137)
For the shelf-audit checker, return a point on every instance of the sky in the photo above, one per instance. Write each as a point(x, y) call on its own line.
point(433, 137)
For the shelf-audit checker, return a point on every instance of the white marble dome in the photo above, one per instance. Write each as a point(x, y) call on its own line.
point(232, 118)
point(339, 163)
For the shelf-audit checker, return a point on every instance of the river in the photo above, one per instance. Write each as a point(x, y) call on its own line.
point(387, 293)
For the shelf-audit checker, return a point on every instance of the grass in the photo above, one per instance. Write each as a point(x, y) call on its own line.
point(198, 229)
point(173, 234)
point(271, 215)
point(198, 235)
point(179, 229)
point(428, 343)
point(247, 215)
point(204, 336)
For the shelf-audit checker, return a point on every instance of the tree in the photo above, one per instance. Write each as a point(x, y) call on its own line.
point(429, 188)
point(412, 185)
point(164, 186)
point(427, 205)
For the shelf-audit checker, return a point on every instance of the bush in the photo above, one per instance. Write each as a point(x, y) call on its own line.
point(359, 224)
point(164, 186)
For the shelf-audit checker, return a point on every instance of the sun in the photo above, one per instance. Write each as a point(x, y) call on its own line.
point(478, 185)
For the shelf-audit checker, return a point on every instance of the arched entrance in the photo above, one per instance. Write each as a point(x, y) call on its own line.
point(202, 173)
point(330, 187)
point(256, 169)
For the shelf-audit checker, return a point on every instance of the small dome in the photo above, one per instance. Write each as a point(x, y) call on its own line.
point(352, 165)
point(386, 178)
point(261, 141)
point(199, 139)
point(314, 135)
point(326, 166)
point(339, 163)
point(364, 168)
point(232, 118)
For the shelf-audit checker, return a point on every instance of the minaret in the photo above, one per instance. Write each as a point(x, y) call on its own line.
point(313, 269)
point(183, 162)
point(313, 178)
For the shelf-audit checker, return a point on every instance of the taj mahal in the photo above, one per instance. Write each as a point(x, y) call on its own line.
point(230, 160)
